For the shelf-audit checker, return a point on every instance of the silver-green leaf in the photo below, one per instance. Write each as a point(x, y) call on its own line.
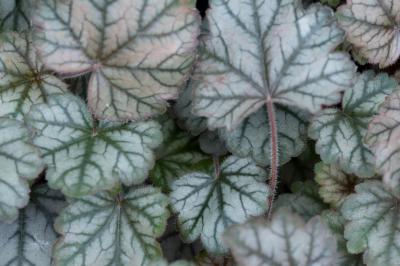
point(340, 133)
point(139, 53)
point(207, 204)
point(373, 27)
point(286, 240)
point(260, 50)
point(29, 240)
point(19, 163)
point(83, 156)
point(252, 137)
point(23, 79)
point(383, 139)
point(108, 229)
point(373, 217)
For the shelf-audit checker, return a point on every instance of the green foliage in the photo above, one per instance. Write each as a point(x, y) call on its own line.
point(252, 128)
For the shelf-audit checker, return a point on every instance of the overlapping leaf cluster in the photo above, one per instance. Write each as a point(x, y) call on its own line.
point(137, 133)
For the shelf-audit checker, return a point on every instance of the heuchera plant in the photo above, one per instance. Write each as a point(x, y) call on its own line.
point(182, 132)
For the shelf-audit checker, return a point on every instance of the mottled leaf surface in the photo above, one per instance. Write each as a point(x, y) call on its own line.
point(373, 217)
point(340, 133)
point(207, 204)
point(19, 162)
point(139, 52)
point(252, 137)
point(23, 80)
point(178, 154)
point(286, 240)
point(335, 185)
point(28, 241)
point(383, 138)
point(256, 50)
point(108, 229)
point(373, 27)
point(211, 143)
point(83, 156)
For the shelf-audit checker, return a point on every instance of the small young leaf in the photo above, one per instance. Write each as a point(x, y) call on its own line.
point(285, 240)
point(23, 81)
point(383, 138)
point(105, 229)
point(208, 204)
point(178, 154)
point(139, 52)
point(373, 228)
point(183, 112)
point(335, 184)
point(336, 222)
point(269, 50)
point(252, 137)
point(304, 200)
point(211, 143)
point(29, 240)
point(340, 133)
point(373, 27)
point(19, 162)
point(84, 157)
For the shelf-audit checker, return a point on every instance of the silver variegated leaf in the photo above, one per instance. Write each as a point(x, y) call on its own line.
point(139, 52)
point(304, 200)
point(260, 50)
point(372, 227)
point(177, 155)
point(83, 156)
point(109, 229)
point(340, 133)
point(16, 15)
point(383, 139)
point(336, 223)
point(252, 137)
point(335, 185)
point(19, 163)
point(29, 240)
point(372, 26)
point(286, 240)
point(23, 81)
point(207, 204)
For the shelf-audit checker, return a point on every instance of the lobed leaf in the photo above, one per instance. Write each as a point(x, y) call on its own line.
point(291, 241)
point(139, 52)
point(23, 80)
point(372, 26)
point(259, 50)
point(29, 239)
point(382, 137)
point(252, 137)
point(336, 223)
point(83, 156)
point(19, 163)
point(373, 223)
point(340, 133)
point(108, 229)
point(207, 205)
